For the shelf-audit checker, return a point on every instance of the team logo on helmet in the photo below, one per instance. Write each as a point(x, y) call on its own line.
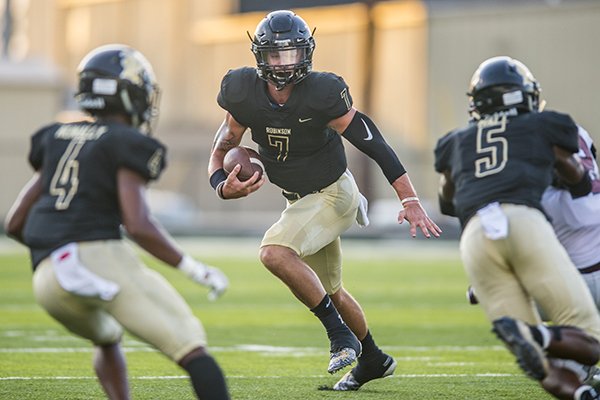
point(118, 79)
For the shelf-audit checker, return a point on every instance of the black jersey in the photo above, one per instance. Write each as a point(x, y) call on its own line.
point(300, 153)
point(78, 164)
point(504, 158)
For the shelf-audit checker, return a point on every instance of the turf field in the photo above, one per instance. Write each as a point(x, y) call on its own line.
point(268, 344)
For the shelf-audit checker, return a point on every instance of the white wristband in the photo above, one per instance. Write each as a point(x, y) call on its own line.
point(219, 190)
point(409, 199)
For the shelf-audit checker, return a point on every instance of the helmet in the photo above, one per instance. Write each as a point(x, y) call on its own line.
point(118, 79)
point(501, 83)
point(283, 46)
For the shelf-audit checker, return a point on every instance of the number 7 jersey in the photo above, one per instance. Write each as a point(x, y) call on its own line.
point(505, 157)
point(300, 152)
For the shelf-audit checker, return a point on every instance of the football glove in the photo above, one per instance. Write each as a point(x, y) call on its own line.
point(211, 277)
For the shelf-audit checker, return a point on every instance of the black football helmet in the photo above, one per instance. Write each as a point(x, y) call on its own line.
point(283, 46)
point(118, 79)
point(501, 83)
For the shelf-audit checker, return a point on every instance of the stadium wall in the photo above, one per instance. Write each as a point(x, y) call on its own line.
point(408, 64)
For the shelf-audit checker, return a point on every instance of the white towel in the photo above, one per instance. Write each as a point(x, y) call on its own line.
point(362, 219)
point(76, 279)
point(363, 206)
point(493, 221)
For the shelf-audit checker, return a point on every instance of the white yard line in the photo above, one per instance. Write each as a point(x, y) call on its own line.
point(167, 377)
point(262, 349)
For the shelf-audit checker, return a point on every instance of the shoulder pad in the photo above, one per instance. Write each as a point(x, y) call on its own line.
point(329, 93)
point(559, 119)
point(140, 153)
point(561, 129)
point(443, 149)
point(235, 85)
point(36, 151)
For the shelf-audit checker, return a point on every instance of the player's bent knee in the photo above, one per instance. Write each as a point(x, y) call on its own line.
point(339, 296)
point(266, 255)
point(274, 256)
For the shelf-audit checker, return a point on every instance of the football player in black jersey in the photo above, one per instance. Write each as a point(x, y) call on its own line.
point(298, 117)
point(494, 172)
point(90, 179)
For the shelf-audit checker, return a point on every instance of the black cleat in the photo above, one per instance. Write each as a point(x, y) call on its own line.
point(517, 336)
point(366, 371)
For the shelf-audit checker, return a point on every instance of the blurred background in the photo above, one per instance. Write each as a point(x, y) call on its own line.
point(408, 64)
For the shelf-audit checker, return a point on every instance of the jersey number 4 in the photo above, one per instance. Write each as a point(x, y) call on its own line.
point(65, 180)
point(492, 148)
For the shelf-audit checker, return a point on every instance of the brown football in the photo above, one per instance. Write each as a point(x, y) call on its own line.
point(248, 158)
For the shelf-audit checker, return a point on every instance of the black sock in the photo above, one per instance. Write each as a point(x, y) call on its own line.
point(207, 378)
point(329, 317)
point(369, 349)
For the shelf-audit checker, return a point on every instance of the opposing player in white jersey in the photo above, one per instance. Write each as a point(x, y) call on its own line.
point(577, 221)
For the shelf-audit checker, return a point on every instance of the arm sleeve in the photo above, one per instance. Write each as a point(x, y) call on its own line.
point(365, 136)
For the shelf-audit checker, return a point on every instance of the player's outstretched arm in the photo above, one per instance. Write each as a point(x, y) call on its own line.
point(362, 132)
point(152, 237)
point(413, 211)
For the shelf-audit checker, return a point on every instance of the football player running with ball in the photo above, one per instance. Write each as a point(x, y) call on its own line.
point(494, 172)
point(90, 178)
point(297, 118)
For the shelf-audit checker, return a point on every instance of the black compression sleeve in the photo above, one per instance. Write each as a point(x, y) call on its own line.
point(365, 136)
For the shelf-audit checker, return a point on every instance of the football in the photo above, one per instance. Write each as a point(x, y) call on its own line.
point(248, 158)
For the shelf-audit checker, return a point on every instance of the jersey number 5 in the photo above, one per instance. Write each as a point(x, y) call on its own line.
point(493, 149)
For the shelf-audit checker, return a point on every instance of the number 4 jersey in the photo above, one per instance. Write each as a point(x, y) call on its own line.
point(505, 157)
point(78, 163)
